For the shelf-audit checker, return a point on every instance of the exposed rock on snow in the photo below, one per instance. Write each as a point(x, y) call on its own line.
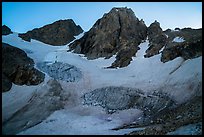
point(61, 71)
point(120, 98)
point(118, 31)
point(39, 107)
point(157, 39)
point(187, 50)
point(190, 46)
point(188, 34)
point(6, 30)
point(58, 33)
point(18, 68)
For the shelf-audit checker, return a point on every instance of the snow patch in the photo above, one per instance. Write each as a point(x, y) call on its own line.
point(178, 39)
point(79, 36)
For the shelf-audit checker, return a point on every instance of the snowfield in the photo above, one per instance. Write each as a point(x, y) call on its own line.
point(177, 78)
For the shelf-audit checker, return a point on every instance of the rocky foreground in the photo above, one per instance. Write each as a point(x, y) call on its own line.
point(161, 115)
point(18, 68)
point(171, 119)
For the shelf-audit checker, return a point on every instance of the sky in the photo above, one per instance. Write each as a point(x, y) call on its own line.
point(24, 16)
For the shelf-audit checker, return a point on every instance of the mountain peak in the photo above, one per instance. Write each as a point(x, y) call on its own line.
point(60, 32)
point(117, 32)
point(6, 30)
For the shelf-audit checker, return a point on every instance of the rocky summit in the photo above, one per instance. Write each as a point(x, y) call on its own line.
point(58, 33)
point(6, 30)
point(117, 32)
point(18, 68)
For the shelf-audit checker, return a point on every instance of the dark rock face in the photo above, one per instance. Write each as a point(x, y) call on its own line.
point(118, 31)
point(157, 39)
point(18, 68)
point(6, 30)
point(58, 33)
point(190, 48)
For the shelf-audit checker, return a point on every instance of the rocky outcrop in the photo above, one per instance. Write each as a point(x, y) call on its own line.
point(6, 30)
point(190, 47)
point(58, 33)
point(186, 50)
point(188, 34)
point(117, 32)
point(157, 39)
point(18, 68)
